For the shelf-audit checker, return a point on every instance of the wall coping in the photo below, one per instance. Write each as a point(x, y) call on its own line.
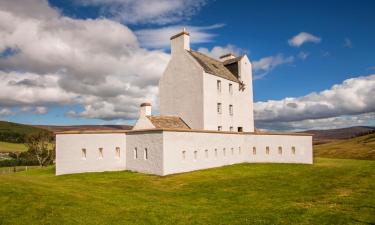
point(158, 130)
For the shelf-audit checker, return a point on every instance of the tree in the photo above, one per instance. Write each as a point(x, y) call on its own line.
point(41, 145)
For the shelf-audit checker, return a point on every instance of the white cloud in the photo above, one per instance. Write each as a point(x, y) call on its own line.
point(5, 112)
point(41, 110)
point(366, 119)
point(264, 65)
point(147, 11)
point(159, 37)
point(218, 51)
point(60, 60)
point(352, 97)
point(302, 38)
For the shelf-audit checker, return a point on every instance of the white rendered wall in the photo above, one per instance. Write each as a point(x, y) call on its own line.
point(242, 101)
point(176, 142)
point(69, 153)
point(181, 89)
point(153, 141)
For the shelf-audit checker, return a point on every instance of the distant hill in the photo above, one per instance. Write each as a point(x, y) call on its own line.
point(362, 147)
point(325, 136)
point(85, 127)
point(16, 132)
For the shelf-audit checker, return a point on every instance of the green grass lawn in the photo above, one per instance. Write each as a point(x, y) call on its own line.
point(332, 191)
point(12, 147)
point(362, 147)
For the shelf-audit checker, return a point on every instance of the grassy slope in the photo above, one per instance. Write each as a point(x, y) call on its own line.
point(12, 147)
point(356, 148)
point(18, 128)
point(332, 191)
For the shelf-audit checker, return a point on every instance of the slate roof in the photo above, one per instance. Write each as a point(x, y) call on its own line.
point(214, 67)
point(171, 122)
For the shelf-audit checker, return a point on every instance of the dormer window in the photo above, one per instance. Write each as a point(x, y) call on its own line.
point(218, 85)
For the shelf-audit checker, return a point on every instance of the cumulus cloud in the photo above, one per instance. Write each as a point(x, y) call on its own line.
point(41, 110)
point(159, 37)
point(264, 65)
point(366, 119)
point(60, 60)
point(147, 11)
point(5, 112)
point(352, 97)
point(302, 38)
point(218, 51)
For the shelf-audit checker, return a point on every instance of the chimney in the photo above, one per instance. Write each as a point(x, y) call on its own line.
point(180, 42)
point(227, 56)
point(145, 109)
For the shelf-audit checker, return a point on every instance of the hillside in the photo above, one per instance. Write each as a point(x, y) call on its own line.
point(323, 193)
point(16, 132)
point(54, 128)
point(362, 147)
point(324, 136)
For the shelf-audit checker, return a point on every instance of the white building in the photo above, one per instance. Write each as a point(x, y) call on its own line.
point(206, 121)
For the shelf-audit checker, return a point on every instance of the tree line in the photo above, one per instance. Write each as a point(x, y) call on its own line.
point(40, 151)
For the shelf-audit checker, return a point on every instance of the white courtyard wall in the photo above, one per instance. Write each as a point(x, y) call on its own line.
point(153, 142)
point(69, 153)
point(242, 144)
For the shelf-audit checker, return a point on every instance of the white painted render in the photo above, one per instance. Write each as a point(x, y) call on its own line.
point(153, 142)
point(181, 87)
point(177, 142)
point(69, 153)
point(165, 151)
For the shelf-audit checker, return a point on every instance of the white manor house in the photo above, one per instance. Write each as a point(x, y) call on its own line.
point(206, 121)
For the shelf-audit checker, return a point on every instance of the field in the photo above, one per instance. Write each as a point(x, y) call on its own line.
point(332, 191)
point(362, 147)
point(12, 147)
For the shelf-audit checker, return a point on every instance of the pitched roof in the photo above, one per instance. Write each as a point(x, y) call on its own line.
point(213, 66)
point(171, 122)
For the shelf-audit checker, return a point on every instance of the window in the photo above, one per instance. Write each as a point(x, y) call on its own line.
point(83, 152)
point(231, 110)
point(230, 89)
point(267, 150)
point(231, 129)
point(183, 155)
point(223, 151)
point(100, 153)
point(219, 128)
point(206, 153)
point(219, 108)
point(239, 150)
point(195, 155)
point(293, 150)
point(145, 155)
point(239, 129)
point(254, 150)
point(215, 152)
point(280, 150)
point(232, 150)
point(117, 152)
point(135, 153)
point(218, 84)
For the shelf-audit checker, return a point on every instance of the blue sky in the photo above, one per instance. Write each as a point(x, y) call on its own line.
point(341, 47)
